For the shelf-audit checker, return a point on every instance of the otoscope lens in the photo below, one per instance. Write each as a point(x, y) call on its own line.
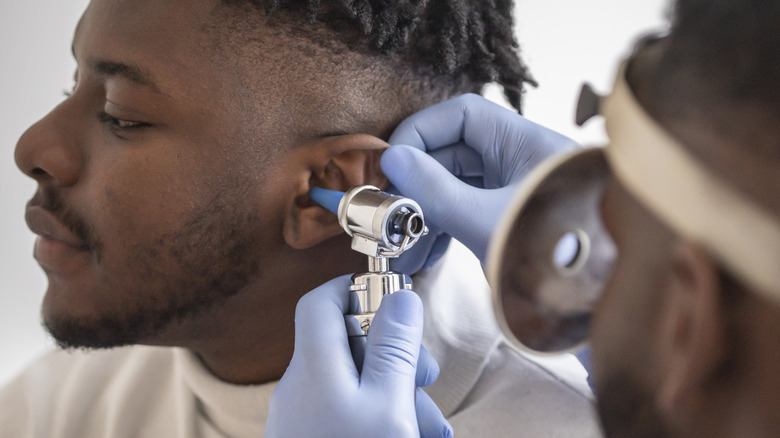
point(414, 225)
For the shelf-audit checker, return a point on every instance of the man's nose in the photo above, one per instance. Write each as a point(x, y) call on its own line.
point(49, 151)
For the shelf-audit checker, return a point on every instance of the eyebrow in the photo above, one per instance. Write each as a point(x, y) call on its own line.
point(130, 73)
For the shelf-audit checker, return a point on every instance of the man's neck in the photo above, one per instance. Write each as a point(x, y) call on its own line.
point(250, 337)
point(247, 339)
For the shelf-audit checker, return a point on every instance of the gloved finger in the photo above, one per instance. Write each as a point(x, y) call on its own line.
point(420, 177)
point(460, 160)
point(449, 204)
point(521, 149)
point(583, 355)
point(417, 257)
point(427, 368)
point(468, 117)
point(320, 331)
point(430, 420)
point(393, 345)
point(438, 250)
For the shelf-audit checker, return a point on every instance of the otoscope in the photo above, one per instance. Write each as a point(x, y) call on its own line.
point(382, 226)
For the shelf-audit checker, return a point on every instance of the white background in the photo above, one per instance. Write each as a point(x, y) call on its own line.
point(564, 41)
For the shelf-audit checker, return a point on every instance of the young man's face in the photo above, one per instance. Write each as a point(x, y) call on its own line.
point(163, 177)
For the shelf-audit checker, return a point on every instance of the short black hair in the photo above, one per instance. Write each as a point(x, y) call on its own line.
point(460, 45)
point(734, 45)
point(714, 84)
point(722, 56)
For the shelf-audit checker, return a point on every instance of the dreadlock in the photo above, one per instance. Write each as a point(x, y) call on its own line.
point(465, 43)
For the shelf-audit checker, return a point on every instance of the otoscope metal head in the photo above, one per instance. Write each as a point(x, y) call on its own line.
point(381, 224)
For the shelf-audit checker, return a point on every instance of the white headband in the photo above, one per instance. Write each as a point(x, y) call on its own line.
point(699, 205)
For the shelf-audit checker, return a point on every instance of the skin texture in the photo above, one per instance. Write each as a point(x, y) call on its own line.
point(681, 349)
point(623, 359)
point(172, 184)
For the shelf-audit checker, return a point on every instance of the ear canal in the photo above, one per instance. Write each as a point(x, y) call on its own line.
point(335, 163)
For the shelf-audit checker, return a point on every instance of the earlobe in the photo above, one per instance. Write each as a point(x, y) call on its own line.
point(692, 340)
point(335, 163)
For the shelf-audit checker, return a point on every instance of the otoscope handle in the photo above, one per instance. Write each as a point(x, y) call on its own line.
point(365, 295)
point(357, 343)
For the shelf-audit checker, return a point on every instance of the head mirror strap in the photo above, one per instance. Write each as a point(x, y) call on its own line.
point(656, 169)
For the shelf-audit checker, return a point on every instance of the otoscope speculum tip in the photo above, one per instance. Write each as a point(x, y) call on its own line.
point(329, 199)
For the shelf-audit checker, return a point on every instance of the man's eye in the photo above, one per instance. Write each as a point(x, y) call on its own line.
point(119, 124)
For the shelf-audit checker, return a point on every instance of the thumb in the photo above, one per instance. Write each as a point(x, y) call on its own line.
point(448, 203)
point(393, 344)
point(430, 420)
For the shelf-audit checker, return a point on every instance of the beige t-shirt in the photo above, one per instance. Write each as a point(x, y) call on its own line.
point(129, 392)
point(485, 388)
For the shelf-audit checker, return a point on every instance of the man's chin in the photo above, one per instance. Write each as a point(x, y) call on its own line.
point(122, 326)
point(627, 410)
point(78, 333)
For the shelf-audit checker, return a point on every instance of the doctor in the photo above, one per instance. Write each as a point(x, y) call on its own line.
point(685, 326)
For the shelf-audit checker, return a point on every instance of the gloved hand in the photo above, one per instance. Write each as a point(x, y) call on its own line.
point(477, 152)
point(322, 395)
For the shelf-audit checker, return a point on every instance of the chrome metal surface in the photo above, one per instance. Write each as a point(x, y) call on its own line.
point(382, 226)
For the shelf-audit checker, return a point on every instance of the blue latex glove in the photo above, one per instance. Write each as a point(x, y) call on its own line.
point(583, 355)
point(322, 395)
point(477, 152)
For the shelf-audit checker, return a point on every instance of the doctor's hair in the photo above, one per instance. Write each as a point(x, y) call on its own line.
point(455, 46)
point(722, 56)
point(736, 42)
point(717, 75)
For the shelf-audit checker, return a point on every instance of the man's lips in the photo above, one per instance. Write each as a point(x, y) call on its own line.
point(45, 224)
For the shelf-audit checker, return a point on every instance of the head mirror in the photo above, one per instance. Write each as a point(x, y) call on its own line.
point(551, 256)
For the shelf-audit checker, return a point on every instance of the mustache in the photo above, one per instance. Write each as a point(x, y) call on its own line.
point(51, 201)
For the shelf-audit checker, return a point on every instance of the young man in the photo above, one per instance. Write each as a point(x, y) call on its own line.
point(172, 207)
point(684, 332)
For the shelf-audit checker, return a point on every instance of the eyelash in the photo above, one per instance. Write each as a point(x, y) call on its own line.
point(112, 122)
point(119, 124)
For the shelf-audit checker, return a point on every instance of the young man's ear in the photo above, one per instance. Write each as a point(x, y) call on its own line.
point(692, 340)
point(335, 163)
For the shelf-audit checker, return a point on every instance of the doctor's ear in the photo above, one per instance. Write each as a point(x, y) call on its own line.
point(693, 334)
point(335, 163)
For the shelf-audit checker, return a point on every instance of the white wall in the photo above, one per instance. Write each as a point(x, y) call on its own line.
point(36, 67)
point(564, 42)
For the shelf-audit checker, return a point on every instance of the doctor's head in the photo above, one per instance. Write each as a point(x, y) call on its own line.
point(685, 337)
point(173, 181)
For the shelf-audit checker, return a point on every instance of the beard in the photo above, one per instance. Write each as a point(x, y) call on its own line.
point(627, 409)
point(175, 277)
